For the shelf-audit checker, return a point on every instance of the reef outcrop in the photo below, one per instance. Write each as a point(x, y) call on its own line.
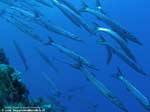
point(14, 93)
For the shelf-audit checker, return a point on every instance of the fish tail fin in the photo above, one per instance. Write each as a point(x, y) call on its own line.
point(119, 74)
point(50, 41)
point(84, 6)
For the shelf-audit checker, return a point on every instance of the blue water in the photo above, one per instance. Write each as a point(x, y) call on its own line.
point(131, 14)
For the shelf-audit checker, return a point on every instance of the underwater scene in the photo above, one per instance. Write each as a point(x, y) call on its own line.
point(74, 56)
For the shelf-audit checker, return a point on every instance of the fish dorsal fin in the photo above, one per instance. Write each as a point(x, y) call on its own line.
point(98, 4)
point(128, 90)
point(102, 39)
point(84, 6)
point(96, 26)
point(119, 71)
point(50, 40)
point(109, 53)
point(99, 7)
point(77, 65)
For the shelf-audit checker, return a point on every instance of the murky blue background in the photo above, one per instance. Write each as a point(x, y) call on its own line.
point(134, 15)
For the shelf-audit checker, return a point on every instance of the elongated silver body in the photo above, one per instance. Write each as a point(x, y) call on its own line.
point(117, 28)
point(123, 57)
point(119, 40)
point(134, 91)
point(71, 54)
point(103, 89)
point(74, 17)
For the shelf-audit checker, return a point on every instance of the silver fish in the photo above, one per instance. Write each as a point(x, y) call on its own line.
point(70, 54)
point(75, 18)
point(122, 56)
point(119, 40)
point(143, 100)
point(114, 26)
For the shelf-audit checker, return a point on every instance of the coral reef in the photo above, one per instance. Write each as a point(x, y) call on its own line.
point(13, 93)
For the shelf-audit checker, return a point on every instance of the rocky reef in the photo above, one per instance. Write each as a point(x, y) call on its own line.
point(13, 93)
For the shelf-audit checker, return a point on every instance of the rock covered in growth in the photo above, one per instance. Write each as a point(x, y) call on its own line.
point(12, 91)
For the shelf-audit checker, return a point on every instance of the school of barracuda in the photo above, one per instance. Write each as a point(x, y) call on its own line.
point(21, 13)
